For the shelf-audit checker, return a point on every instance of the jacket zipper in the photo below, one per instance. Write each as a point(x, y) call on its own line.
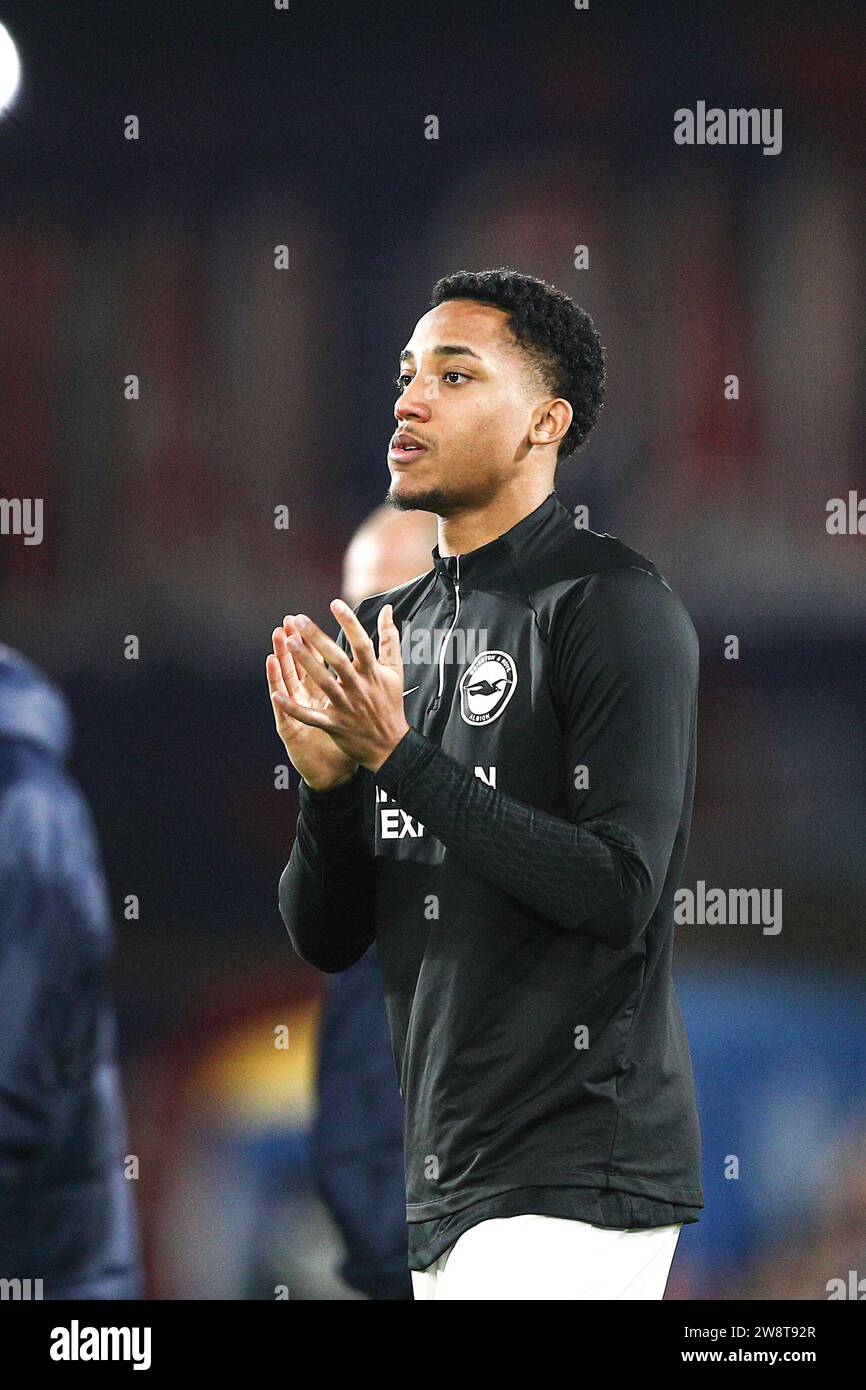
point(456, 583)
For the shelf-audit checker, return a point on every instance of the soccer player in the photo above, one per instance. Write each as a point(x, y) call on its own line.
point(497, 763)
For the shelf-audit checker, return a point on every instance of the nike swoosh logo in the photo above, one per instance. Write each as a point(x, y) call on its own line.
point(409, 691)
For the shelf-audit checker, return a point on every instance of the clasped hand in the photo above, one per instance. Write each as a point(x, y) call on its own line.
point(359, 704)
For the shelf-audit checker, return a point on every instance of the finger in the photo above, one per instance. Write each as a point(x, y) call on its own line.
point(314, 667)
point(291, 629)
point(389, 639)
point(278, 693)
point(362, 647)
point(276, 683)
point(327, 647)
point(287, 666)
point(311, 717)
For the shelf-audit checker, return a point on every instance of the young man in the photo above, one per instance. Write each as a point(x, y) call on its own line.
point(506, 812)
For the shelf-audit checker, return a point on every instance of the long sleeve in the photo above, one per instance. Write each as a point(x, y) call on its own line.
point(29, 983)
point(327, 889)
point(62, 1214)
point(624, 661)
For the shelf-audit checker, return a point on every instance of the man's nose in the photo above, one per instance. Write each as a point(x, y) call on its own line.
point(413, 404)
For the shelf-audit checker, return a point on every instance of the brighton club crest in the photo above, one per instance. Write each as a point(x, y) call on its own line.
point(486, 687)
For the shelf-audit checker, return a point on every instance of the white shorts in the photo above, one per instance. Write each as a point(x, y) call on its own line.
point(550, 1257)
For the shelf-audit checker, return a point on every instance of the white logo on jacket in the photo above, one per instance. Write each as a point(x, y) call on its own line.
point(486, 687)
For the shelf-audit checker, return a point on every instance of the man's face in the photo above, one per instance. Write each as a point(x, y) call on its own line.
point(466, 398)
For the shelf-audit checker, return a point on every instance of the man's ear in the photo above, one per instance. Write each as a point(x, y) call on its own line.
point(553, 423)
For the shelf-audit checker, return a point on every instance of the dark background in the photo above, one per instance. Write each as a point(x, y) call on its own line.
point(262, 387)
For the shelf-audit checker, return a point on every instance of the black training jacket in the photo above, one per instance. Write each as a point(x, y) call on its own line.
point(515, 859)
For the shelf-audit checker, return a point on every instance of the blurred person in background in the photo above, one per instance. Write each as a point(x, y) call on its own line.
point(66, 1211)
point(357, 1139)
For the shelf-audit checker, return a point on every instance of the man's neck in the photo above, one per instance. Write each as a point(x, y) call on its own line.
point(468, 530)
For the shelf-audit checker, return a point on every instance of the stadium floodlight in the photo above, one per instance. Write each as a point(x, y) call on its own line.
point(10, 69)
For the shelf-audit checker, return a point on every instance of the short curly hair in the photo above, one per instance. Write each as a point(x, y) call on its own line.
point(559, 340)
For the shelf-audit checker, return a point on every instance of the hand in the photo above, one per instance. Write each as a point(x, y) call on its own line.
point(363, 711)
point(314, 755)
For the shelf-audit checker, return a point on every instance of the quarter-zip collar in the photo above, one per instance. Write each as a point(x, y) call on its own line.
point(489, 562)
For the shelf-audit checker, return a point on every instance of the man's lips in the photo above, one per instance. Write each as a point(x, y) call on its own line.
point(405, 446)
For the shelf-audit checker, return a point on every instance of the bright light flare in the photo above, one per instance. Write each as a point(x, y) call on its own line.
point(10, 69)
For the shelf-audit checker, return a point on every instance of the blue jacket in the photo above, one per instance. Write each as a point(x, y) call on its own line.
point(357, 1140)
point(66, 1209)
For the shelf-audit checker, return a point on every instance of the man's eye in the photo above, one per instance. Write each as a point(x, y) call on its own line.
point(399, 381)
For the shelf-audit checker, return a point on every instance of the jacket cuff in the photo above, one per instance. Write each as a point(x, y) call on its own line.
point(413, 752)
point(337, 800)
